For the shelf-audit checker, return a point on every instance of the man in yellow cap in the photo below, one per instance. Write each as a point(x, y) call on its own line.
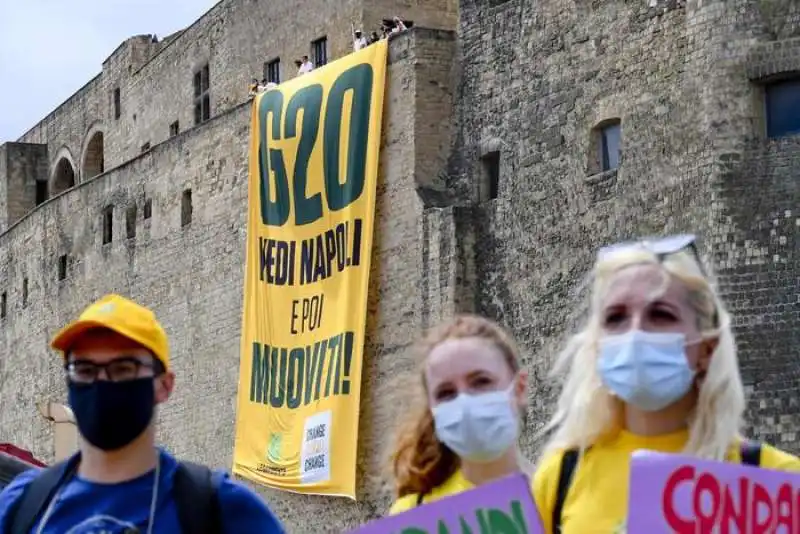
point(116, 357)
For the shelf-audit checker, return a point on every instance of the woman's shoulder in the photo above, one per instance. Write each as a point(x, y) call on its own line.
point(455, 483)
point(404, 503)
point(774, 458)
point(545, 477)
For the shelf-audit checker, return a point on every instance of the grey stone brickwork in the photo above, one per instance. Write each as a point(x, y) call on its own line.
point(528, 81)
point(235, 39)
point(192, 277)
point(537, 78)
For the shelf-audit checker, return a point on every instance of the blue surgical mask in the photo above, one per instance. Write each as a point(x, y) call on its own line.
point(647, 370)
point(479, 428)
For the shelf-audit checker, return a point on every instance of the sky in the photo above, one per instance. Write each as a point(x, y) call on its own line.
point(50, 48)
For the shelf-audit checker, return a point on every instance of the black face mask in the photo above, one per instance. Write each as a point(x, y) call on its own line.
point(109, 414)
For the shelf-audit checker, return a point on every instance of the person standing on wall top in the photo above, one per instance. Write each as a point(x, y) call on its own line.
point(117, 365)
point(654, 368)
point(465, 431)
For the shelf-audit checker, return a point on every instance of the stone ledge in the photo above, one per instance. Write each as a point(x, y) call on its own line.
point(601, 177)
point(774, 60)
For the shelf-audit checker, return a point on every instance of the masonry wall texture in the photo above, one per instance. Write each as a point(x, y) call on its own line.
point(530, 81)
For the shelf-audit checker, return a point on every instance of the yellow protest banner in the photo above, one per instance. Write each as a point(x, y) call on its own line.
point(315, 142)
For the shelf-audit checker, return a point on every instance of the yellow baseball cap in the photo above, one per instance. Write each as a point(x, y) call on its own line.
point(122, 316)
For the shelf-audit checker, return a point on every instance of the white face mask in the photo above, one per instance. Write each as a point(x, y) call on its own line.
point(479, 428)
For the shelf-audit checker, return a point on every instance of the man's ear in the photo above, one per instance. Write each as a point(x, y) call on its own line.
point(164, 386)
point(706, 348)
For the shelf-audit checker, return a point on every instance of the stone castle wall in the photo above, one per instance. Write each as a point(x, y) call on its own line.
point(686, 81)
point(192, 276)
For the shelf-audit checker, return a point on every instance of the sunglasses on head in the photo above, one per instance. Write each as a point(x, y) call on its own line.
point(661, 247)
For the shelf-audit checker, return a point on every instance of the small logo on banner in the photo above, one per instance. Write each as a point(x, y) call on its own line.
point(315, 455)
point(274, 448)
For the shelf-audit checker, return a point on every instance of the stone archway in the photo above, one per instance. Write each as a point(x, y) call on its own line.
point(63, 177)
point(93, 157)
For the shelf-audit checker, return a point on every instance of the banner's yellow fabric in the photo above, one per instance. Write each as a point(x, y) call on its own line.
point(314, 149)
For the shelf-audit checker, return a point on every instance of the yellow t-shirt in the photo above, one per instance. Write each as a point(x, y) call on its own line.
point(453, 485)
point(597, 501)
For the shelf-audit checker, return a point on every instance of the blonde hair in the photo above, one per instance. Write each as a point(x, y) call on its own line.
point(587, 411)
point(421, 462)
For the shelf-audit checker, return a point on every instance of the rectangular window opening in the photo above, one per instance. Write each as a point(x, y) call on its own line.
point(610, 138)
point(186, 208)
point(782, 101)
point(148, 208)
point(130, 222)
point(319, 51)
point(41, 191)
point(174, 129)
point(108, 225)
point(3, 305)
point(491, 174)
point(272, 71)
point(117, 104)
point(202, 99)
point(62, 267)
point(25, 292)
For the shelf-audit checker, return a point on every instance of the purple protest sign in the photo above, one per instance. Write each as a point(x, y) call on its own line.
point(505, 506)
point(682, 495)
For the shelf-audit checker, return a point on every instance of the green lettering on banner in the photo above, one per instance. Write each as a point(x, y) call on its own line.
point(500, 523)
point(309, 99)
point(519, 517)
point(295, 386)
point(293, 376)
point(358, 82)
point(464, 526)
point(271, 167)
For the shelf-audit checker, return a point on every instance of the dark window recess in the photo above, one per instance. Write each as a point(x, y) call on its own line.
point(25, 292)
point(148, 208)
point(202, 100)
point(117, 104)
point(174, 129)
point(130, 222)
point(146, 147)
point(319, 51)
point(783, 108)
point(108, 225)
point(3, 305)
point(186, 207)
point(610, 138)
point(41, 191)
point(62, 267)
point(272, 71)
point(490, 164)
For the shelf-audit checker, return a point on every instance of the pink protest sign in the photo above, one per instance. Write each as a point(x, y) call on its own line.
point(502, 507)
point(681, 495)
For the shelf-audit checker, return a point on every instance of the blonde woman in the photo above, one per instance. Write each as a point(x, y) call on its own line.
point(464, 431)
point(655, 368)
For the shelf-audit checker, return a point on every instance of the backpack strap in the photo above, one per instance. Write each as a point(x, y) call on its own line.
point(195, 490)
point(568, 464)
point(750, 452)
point(28, 508)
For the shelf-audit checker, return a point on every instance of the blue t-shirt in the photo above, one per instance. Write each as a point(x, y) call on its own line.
point(83, 507)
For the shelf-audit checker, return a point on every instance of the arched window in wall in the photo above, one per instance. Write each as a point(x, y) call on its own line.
point(64, 177)
point(94, 158)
